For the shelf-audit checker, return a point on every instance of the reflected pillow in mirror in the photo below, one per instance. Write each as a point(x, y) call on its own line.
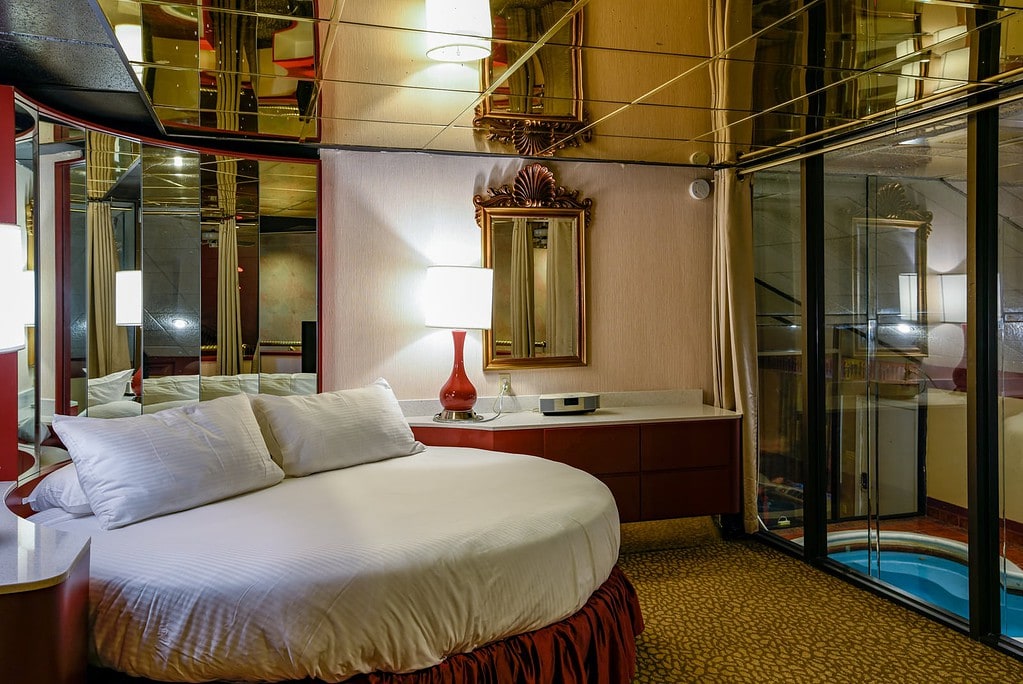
point(109, 388)
point(60, 489)
point(213, 386)
point(114, 409)
point(170, 388)
point(287, 384)
point(136, 468)
point(310, 434)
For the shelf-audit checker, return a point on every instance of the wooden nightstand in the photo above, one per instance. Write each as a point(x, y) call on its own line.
point(44, 601)
point(658, 461)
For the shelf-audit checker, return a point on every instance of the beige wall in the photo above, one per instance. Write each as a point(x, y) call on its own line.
point(387, 216)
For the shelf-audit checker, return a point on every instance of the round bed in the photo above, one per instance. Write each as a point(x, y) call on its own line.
point(394, 566)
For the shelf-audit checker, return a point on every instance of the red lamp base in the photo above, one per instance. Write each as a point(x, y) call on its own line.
point(457, 396)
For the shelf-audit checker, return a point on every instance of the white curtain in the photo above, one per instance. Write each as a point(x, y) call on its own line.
point(229, 324)
point(523, 331)
point(734, 343)
point(108, 343)
point(234, 39)
point(521, 82)
point(561, 288)
point(556, 60)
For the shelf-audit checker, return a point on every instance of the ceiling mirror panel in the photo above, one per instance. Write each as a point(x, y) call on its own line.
point(356, 73)
point(535, 96)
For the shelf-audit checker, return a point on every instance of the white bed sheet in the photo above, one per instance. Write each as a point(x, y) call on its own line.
point(386, 566)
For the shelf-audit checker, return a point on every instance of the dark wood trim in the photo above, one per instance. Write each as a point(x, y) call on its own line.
point(982, 338)
point(814, 430)
point(62, 274)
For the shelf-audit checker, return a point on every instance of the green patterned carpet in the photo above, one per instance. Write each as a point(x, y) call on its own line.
point(740, 611)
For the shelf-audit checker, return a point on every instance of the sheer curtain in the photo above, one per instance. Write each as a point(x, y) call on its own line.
point(229, 323)
point(734, 343)
point(523, 331)
point(108, 343)
point(561, 283)
point(556, 61)
point(521, 82)
point(234, 38)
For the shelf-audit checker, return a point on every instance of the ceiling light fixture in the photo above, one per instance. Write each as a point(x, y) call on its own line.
point(460, 30)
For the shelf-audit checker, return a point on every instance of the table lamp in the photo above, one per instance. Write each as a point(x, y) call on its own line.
point(460, 298)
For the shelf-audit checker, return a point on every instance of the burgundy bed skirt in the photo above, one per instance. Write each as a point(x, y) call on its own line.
point(596, 645)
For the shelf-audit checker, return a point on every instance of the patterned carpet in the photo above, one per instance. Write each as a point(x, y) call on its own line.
point(740, 611)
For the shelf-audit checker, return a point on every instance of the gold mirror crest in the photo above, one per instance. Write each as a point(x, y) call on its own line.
point(534, 188)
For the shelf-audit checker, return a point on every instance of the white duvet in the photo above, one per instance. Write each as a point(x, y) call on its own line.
point(387, 566)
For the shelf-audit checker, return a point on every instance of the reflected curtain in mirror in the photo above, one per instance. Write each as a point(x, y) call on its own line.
point(523, 333)
point(229, 322)
point(108, 343)
point(534, 101)
point(533, 240)
point(561, 305)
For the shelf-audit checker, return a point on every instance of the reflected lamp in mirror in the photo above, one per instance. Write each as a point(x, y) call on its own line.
point(128, 298)
point(460, 30)
point(12, 282)
point(953, 297)
point(458, 297)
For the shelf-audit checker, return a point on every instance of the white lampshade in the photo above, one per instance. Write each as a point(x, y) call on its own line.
point(459, 297)
point(460, 30)
point(12, 309)
point(27, 297)
point(128, 298)
point(953, 297)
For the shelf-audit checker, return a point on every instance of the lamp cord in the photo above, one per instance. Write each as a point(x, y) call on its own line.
point(498, 406)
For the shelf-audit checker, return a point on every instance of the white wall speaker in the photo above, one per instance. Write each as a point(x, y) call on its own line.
point(699, 189)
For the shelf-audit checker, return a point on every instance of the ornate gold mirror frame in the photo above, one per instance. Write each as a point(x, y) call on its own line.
point(891, 273)
point(534, 238)
point(537, 108)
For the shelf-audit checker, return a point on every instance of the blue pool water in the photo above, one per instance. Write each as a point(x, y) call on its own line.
point(936, 580)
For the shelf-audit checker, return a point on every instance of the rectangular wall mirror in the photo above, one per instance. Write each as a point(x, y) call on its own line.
point(534, 240)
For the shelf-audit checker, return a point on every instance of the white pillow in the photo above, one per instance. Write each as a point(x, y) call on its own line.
point(109, 388)
point(136, 468)
point(60, 489)
point(309, 434)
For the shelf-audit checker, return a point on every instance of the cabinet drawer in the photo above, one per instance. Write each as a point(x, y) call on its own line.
point(514, 441)
point(692, 444)
point(596, 450)
point(682, 493)
point(625, 489)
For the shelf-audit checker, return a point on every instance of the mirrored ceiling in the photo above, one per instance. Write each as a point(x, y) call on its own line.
point(626, 80)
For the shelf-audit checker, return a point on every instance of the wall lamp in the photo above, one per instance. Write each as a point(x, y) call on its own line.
point(460, 30)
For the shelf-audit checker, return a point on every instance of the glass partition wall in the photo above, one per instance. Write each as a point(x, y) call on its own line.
point(900, 256)
point(897, 367)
